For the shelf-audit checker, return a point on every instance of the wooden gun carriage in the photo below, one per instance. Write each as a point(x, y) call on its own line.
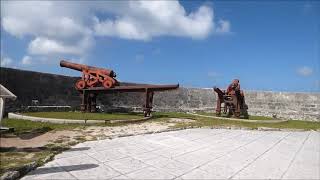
point(234, 103)
point(99, 80)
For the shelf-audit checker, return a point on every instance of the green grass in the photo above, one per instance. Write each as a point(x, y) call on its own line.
point(209, 122)
point(25, 126)
point(84, 116)
point(157, 115)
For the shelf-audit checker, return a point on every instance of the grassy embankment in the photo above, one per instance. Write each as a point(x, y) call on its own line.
point(211, 122)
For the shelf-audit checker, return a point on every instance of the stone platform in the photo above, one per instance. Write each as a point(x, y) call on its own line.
point(191, 154)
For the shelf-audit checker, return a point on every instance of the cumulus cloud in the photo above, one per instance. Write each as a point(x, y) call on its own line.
point(305, 71)
point(70, 27)
point(44, 46)
point(142, 20)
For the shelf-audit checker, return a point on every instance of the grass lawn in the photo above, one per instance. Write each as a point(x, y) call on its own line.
point(25, 126)
point(291, 124)
point(84, 116)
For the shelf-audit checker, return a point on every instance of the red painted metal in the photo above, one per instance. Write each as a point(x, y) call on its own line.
point(97, 80)
point(233, 100)
point(92, 76)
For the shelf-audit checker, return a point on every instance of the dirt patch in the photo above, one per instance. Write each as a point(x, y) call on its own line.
point(180, 120)
point(38, 141)
point(89, 133)
point(104, 132)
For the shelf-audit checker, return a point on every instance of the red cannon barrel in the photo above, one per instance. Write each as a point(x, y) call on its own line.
point(81, 67)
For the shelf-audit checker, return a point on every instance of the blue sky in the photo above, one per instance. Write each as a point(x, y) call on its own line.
point(268, 45)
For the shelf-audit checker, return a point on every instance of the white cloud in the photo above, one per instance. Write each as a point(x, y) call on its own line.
point(143, 20)
point(5, 61)
point(305, 71)
point(45, 46)
point(26, 60)
point(69, 27)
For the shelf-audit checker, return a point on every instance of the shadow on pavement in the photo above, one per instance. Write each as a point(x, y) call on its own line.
point(38, 149)
point(79, 149)
point(57, 169)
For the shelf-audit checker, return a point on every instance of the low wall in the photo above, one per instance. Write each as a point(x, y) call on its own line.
point(51, 89)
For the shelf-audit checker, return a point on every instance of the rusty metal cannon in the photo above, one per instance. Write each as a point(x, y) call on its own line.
point(98, 80)
point(233, 100)
point(92, 76)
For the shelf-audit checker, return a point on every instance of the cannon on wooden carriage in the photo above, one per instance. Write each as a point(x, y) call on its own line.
point(233, 101)
point(96, 81)
point(92, 76)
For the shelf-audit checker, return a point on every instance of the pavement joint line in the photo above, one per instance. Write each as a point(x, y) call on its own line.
point(98, 164)
point(225, 131)
point(255, 159)
point(150, 165)
point(129, 171)
point(66, 171)
point(121, 174)
point(295, 155)
point(108, 160)
point(197, 167)
point(218, 142)
point(175, 176)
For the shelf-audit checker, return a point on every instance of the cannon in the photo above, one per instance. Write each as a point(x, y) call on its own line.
point(92, 76)
point(96, 81)
point(233, 100)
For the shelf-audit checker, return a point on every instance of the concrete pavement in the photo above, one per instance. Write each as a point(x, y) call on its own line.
point(191, 154)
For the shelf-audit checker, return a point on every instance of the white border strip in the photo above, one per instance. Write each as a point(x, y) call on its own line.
point(70, 121)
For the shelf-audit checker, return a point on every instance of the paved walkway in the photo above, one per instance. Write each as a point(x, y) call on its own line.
point(191, 154)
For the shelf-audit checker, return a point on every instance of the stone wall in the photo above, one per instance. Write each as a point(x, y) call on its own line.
point(48, 89)
point(52, 89)
point(302, 106)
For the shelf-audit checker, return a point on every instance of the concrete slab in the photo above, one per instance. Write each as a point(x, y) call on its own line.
point(50, 170)
point(306, 163)
point(191, 154)
point(277, 158)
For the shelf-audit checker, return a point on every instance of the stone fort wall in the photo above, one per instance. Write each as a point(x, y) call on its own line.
point(51, 89)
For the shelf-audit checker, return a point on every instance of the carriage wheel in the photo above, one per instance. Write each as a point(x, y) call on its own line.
point(80, 84)
point(107, 84)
